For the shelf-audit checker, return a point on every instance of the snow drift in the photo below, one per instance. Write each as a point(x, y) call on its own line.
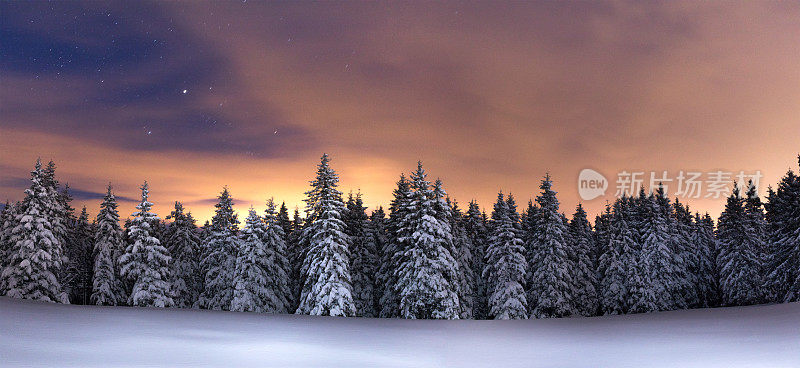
point(34, 334)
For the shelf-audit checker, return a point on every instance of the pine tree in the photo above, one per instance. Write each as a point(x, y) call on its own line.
point(475, 230)
point(650, 287)
point(260, 278)
point(739, 264)
point(552, 272)
point(398, 241)
point(326, 268)
point(363, 260)
point(783, 217)
point(284, 222)
point(146, 262)
point(61, 215)
point(585, 278)
point(107, 242)
point(617, 260)
point(463, 254)
point(221, 247)
point(183, 243)
point(427, 277)
point(35, 258)
point(505, 264)
point(377, 237)
point(706, 274)
point(687, 261)
point(277, 264)
point(81, 261)
point(9, 222)
point(296, 256)
point(756, 227)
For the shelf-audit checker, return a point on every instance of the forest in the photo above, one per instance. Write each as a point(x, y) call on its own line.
point(423, 257)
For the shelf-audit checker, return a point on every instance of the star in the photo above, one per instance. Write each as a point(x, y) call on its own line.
point(184, 91)
point(276, 131)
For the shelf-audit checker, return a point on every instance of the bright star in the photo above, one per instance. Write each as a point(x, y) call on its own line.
point(184, 91)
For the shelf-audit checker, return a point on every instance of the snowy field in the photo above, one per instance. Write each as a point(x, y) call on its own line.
point(48, 335)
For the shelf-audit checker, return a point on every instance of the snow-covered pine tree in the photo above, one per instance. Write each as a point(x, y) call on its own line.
point(363, 260)
point(475, 229)
point(687, 262)
point(296, 255)
point(9, 220)
point(276, 263)
point(284, 222)
point(783, 217)
point(617, 260)
point(326, 267)
point(706, 272)
point(393, 253)
point(146, 262)
point(377, 237)
point(739, 264)
point(552, 272)
point(585, 278)
point(756, 239)
point(183, 244)
point(220, 248)
point(108, 240)
point(81, 261)
point(463, 253)
point(505, 265)
point(650, 286)
point(427, 277)
point(35, 258)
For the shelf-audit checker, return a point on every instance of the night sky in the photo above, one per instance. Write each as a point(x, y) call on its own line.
point(192, 96)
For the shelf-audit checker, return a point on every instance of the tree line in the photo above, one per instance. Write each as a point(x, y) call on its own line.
point(426, 259)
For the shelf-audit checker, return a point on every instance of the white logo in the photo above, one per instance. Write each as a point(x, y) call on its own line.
point(591, 184)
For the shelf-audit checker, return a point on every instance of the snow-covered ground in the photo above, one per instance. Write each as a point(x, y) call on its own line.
point(41, 334)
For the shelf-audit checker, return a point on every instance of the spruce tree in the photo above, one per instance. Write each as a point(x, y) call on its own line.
point(393, 253)
point(35, 258)
point(756, 238)
point(505, 264)
point(739, 263)
point(475, 229)
point(221, 247)
point(552, 272)
point(782, 283)
point(706, 273)
point(277, 266)
point(9, 220)
point(687, 260)
point(183, 243)
point(327, 286)
point(363, 260)
point(617, 260)
point(585, 278)
point(427, 277)
point(296, 256)
point(108, 240)
point(81, 261)
point(146, 263)
point(463, 254)
point(378, 239)
point(650, 287)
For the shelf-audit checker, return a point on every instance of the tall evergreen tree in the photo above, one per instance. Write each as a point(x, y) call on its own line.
point(756, 239)
point(221, 247)
point(296, 255)
point(9, 221)
point(284, 222)
point(326, 267)
point(783, 217)
point(146, 262)
point(552, 272)
point(585, 278)
point(687, 260)
point(363, 260)
point(475, 229)
point(706, 274)
point(377, 237)
point(505, 264)
point(739, 264)
point(427, 277)
point(35, 258)
point(463, 254)
point(393, 253)
point(183, 243)
point(108, 241)
point(650, 286)
point(81, 261)
point(277, 263)
point(617, 260)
